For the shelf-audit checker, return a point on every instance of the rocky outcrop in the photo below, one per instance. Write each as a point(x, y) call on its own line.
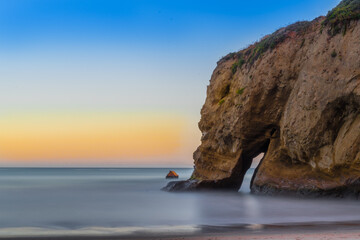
point(295, 96)
point(172, 174)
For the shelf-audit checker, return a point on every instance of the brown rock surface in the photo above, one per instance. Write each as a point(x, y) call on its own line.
point(172, 174)
point(295, 95)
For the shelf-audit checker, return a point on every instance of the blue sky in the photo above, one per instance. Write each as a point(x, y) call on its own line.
point(128, 56)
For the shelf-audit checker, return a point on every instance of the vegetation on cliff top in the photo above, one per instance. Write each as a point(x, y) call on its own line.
point(269, 42)
point(339, 18)
point(238, 64)
point(273, 40)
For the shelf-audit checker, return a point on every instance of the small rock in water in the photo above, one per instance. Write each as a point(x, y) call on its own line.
point(172, 174)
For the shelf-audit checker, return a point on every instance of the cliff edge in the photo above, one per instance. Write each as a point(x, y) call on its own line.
point(295, 96)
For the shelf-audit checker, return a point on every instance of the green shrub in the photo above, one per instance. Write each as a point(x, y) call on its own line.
point(334, 54)
point(221, 101)
point(339, 17)
point(241, 62)
point(234, 68)
point(240, 91)
point(238, 64)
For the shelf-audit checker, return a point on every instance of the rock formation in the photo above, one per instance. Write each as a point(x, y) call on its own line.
point(295, 96)
point(172, 174)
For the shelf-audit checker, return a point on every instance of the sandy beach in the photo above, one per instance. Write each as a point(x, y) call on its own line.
point(309, 236)
point(290, 234)
point(330, 235)
point(293, 232)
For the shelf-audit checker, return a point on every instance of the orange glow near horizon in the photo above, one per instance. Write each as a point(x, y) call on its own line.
point(88, 138)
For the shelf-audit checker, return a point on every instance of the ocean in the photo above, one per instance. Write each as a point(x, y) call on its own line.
point(129, 201)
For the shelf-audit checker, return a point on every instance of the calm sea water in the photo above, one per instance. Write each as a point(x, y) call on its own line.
point(53, 201)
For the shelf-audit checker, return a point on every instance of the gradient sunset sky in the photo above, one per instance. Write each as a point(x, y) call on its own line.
point(119, 83)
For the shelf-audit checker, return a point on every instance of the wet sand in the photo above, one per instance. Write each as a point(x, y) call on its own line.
point(323, 231)
point(353, 235)
point(314, 236)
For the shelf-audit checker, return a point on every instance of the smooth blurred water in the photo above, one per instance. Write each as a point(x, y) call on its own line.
point(77, 198)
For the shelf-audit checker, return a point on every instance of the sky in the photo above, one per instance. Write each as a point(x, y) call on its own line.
point(119, 83)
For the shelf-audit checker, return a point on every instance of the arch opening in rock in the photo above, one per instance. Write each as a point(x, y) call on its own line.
point(249, 174)
point(246, 161)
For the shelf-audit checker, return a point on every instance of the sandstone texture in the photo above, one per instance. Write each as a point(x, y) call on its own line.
point(294, 96)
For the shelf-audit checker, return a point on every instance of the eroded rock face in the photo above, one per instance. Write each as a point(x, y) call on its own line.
point(295, 96)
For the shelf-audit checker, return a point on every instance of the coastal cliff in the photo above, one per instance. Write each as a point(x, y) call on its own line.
point(295, 96)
